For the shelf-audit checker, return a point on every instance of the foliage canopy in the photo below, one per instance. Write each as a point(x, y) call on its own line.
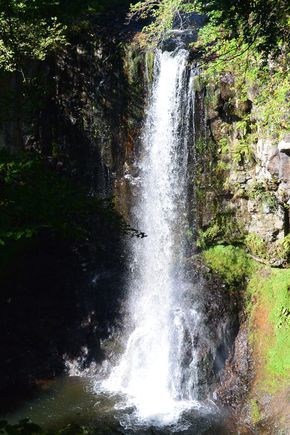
point(265, 23)
point(31, 29)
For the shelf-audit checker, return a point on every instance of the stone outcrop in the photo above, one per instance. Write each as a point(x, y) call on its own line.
point(253, 182)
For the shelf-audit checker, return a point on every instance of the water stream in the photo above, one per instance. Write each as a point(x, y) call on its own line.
point(158, 369)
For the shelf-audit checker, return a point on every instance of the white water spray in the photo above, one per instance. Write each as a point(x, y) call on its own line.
point(157, 372)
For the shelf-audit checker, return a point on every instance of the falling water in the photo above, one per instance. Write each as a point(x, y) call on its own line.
point(157, 371)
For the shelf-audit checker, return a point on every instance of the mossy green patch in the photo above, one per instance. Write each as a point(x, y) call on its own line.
point(230, 262)
point(223, 229)
point(255, 411)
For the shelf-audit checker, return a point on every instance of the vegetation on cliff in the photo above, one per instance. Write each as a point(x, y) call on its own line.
point(229, 262)
point(248, 39)
point(266, 294)
point(263, 25)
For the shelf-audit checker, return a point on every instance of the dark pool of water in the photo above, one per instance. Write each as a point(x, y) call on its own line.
point(72, 400)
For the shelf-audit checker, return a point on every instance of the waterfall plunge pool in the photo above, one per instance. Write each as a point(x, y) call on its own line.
point(73, 401)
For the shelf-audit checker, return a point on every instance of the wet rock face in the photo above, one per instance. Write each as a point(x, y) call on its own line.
point(100, 98)
point(184, 31)
point(90, 111)
point(94, 97)
point(58, 300)
point(62, 298)
point(219, 309)
point(237, 375)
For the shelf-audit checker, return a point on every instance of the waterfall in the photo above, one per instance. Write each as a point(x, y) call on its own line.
point(158, 369)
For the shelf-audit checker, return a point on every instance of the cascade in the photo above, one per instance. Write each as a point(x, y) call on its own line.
point(157, 371)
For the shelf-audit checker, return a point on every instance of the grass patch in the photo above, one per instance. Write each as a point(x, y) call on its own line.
point(272, 293)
